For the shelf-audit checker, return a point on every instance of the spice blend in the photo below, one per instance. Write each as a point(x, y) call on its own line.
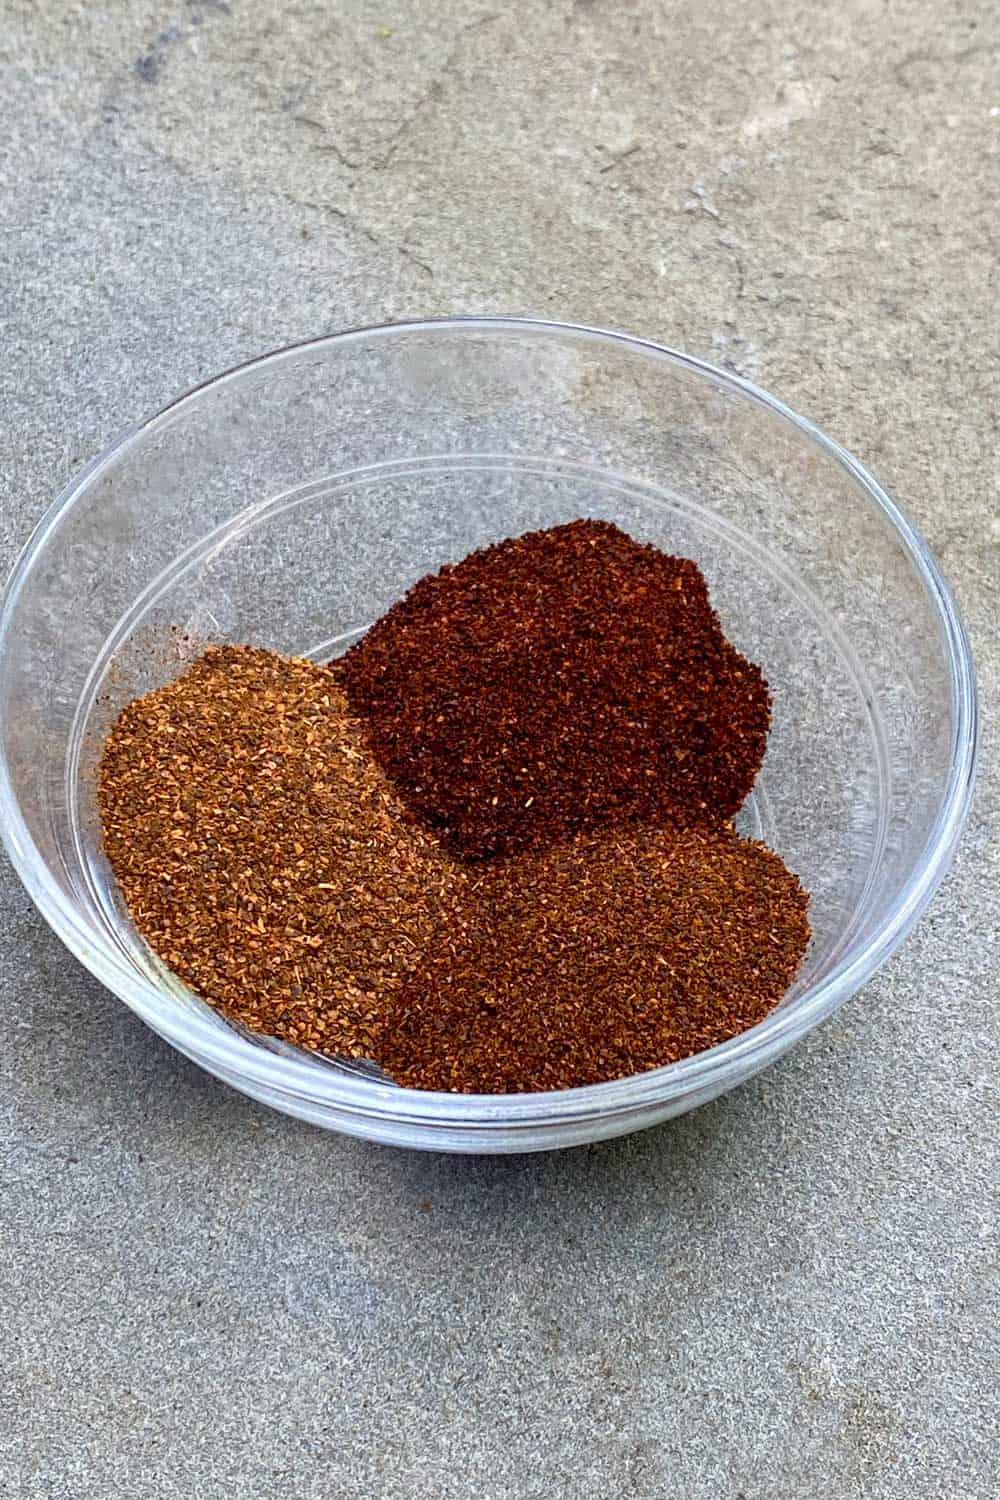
point(596, 958)
point(262, 854)
point(490, 850)
point(561, 679)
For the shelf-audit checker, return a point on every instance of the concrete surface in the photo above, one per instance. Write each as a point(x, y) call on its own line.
point(792, 1293)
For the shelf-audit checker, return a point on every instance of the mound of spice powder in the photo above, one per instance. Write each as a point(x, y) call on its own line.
point(261, 853)
point(598, 958)
point(309, 849)
point(555, 681)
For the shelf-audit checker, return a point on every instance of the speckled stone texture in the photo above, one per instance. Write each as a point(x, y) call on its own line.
point(790, 1295)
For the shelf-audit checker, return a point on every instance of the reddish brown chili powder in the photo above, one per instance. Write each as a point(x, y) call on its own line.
point(597, 958)
point(558, 680)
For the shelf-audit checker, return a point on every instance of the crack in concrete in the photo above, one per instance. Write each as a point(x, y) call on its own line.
point(328, 147)
point(358, 227)
point(394, 140)
point(432, 92)
point(616, 161)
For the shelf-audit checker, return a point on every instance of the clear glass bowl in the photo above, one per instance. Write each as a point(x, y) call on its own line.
point(290, 501)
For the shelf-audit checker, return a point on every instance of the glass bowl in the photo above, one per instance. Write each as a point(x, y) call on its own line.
point(289, 502)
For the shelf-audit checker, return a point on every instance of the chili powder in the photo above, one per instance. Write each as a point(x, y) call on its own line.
point(561, 679)
point(310, 849)
point(261, 852)
point(604, 956)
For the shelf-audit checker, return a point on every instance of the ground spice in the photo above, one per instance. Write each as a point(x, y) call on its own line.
point(261, 853)
point(555, 681)
point(570, 696)
point(595, 959)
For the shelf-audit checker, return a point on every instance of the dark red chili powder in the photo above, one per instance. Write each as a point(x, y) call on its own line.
point(559, 680)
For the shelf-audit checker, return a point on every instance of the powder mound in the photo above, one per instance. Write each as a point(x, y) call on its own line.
point(596, 959)
point(262, 854)
point(265, 858)
point(559, 680)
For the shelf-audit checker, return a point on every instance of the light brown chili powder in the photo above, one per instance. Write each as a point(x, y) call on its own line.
point(262, 854)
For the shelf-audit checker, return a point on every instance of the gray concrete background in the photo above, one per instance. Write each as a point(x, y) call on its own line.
point(792, 1293)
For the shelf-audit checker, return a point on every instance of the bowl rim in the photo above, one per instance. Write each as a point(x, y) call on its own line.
point(228, 1053)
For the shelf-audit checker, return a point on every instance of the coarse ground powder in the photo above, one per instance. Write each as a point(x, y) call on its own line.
point(267, 861)
point(261, 853)
point(555, 681)
point(606, 955)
